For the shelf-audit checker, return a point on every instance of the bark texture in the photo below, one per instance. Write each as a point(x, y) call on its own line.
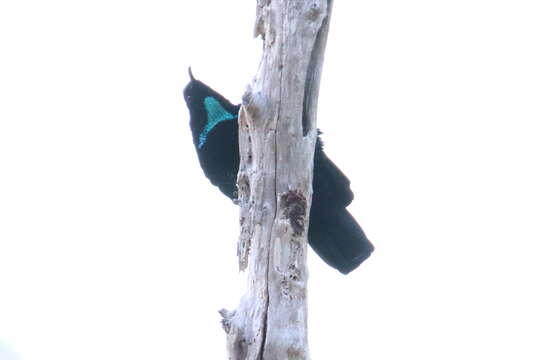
point(277, 129)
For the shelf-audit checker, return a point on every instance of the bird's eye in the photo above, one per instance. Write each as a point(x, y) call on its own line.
point(188, 97)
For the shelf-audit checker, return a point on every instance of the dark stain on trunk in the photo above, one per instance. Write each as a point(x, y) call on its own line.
point(294, 205)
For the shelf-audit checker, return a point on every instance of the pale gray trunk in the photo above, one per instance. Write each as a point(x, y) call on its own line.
point(277, 129)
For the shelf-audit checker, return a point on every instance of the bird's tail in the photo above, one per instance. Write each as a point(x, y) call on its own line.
point(338, 240)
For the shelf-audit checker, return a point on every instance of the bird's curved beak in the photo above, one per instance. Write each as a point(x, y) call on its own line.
point(190, 74)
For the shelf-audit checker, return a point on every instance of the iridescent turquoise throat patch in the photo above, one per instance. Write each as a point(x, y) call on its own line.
point(216, 113)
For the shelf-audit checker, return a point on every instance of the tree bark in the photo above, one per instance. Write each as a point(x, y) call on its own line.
point(277, 130)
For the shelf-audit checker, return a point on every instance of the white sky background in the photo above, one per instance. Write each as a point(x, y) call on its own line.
point(114, 246)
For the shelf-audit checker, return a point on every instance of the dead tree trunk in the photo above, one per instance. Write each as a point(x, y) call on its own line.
point(277, 129)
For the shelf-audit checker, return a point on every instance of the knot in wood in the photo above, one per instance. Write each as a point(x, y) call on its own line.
point(243, 187)
point(294, 205)
point(314, 11)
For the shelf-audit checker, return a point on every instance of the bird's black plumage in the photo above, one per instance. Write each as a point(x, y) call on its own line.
point(333, 233)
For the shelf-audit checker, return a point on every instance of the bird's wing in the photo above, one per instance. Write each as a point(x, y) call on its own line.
point(331, 188)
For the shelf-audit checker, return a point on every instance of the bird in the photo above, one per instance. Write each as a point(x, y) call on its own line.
point(333, 233)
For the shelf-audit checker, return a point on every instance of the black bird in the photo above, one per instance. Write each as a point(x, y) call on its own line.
point(333, 233)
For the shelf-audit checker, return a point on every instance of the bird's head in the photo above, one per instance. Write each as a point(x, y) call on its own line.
point(195, 93)
point(207, 108)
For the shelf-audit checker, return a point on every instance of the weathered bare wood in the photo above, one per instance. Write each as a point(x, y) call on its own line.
point(277, 141)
